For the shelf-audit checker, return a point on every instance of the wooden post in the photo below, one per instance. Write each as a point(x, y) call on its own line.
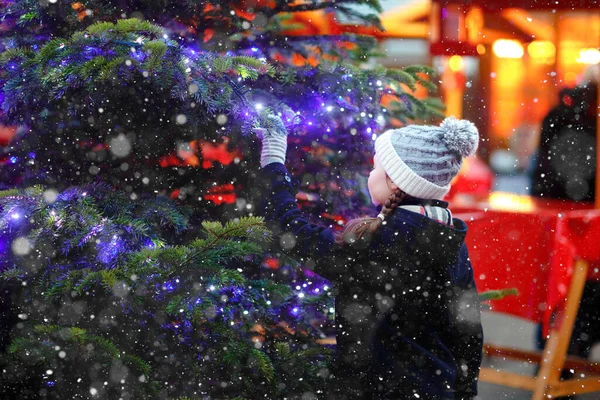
point(555, 352)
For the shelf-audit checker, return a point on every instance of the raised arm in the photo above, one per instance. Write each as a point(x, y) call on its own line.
point(296, 233)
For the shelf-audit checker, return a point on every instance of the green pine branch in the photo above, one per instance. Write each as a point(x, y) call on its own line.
point(498, 294)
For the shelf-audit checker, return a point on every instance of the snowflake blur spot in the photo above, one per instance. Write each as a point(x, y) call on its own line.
point(50, 196)
point(181, 119)
point(21, 246)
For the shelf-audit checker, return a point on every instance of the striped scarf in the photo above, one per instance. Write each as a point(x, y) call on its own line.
point(439, 214)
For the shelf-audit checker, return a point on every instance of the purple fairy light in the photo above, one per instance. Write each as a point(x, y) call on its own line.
point(169, 286)
point(138, 56)
point(94, 231)
point(108, 251)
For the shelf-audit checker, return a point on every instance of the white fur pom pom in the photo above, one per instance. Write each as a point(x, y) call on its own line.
point(460, 135)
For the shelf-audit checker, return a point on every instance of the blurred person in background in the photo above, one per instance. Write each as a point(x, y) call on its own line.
point(565, 165)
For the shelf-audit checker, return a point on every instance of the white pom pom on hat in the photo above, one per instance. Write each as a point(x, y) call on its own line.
point(460, 135)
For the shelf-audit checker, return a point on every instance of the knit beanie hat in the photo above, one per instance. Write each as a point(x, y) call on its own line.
point(423, 160)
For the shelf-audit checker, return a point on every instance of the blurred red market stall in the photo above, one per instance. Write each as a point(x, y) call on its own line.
point(546, 250)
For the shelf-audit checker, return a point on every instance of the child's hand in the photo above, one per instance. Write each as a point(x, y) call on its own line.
point(270, 124)
point(273, 133)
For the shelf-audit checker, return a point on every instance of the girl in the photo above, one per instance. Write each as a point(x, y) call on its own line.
point(407, 310)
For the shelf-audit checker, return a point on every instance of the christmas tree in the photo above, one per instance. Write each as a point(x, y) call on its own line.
point(135, 130)
point(107, 309)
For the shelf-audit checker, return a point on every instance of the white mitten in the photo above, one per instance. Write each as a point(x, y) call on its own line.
point(273, 134)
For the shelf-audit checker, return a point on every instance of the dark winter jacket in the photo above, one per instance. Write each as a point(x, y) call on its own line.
point(407, 311)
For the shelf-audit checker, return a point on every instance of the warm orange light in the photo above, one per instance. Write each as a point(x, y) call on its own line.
point(505, 48)
point(589, 56)
point(542, 51)
point(530, 24)
point(506, 97)
point(570, 78)
point(456, 63)
point(480, 49)
point(474, 22)
point(510, 202)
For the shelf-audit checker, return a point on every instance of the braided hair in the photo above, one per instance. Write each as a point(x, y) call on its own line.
point(363, 228)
